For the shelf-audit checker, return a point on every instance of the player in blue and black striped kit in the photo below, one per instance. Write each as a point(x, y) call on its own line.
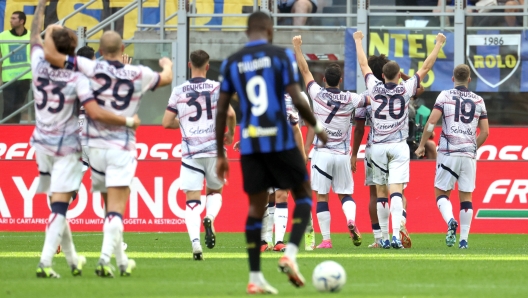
point(260, 74)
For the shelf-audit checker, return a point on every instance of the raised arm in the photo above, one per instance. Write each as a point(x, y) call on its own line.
point(419, 90)
point(50, 51)
point(35, 25)
point(430, 61)
point(166, 73)
point(301, 62)
point(361, 56)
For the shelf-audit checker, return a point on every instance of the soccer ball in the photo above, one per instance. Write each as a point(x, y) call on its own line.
point(329, 276)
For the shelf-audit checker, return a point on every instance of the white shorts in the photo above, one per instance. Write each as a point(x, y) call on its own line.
point(195, 170)
point(450, 169)
point(390, 163)
point(368, 169)
point(111, 167)
point(84, 159)
point(58, 174)
point(331, 170)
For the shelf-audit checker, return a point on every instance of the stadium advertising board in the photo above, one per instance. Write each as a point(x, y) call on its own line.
point(494, 58)
point(157, 203)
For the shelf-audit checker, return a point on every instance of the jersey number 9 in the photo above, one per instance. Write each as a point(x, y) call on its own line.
point(260, 101)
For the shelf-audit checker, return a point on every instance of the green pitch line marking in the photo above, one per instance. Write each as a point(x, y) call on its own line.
point(381, 255)
point(503, 213)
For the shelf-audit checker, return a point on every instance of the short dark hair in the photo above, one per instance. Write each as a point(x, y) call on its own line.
point(199, 58)
point(86, 52)
point(376, 64)
point(21, 15)
point(333, 74)
point(391, 69)
point(461, 73)
point(65, 41)
point(259, 21)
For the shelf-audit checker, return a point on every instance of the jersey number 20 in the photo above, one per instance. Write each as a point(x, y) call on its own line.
point(391, 101)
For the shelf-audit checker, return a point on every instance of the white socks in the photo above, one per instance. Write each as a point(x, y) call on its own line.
point(445, 207)
point(263, 232)
point(291, 251)
point(120, 255)
point(271, 223)
point(112, 235)
point(213, 204)
point(54, 232)
point(67, 246)
point(349, 208)
point(281, 221)
point(383, 217)
point(466, 215)
point(396, 210)
point(193, 219)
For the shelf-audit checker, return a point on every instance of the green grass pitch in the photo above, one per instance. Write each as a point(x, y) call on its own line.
point(493, 266)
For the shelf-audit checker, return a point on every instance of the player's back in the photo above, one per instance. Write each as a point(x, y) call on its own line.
point(195, 103)
point(390, 107)
point(117, 88)
point(462, 111)
point(335, 110)
point(259, 74)
point(57, 93)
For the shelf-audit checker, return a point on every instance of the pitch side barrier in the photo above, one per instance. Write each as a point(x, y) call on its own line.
point(157, 203)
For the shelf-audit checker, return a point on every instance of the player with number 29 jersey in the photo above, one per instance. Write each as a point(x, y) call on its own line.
point(117, 88)
point(195, 104)
point(56, 94)
point(390, 107)
point(462, 111)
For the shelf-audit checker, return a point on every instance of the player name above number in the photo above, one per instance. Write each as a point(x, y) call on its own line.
point(56, 74)
point(253, 65)
point(200, 86)
point(120, 73)
point(396, 90)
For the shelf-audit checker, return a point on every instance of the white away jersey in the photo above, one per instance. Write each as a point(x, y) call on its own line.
point(462, 110)
point(390, 107)
point(365, 114)
point(335, 110)
point(57, 93)
point(117, 88)
point(292, 114)
point(195, 104)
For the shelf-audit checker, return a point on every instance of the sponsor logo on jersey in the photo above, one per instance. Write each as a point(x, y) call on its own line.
point(257, 131)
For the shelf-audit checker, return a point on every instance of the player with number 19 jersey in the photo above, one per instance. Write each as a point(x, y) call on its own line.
point(390, 107)
point(195, 104)
point(462, 110)
point(117, 88)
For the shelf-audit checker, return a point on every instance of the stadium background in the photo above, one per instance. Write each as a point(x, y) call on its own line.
point(157, 203)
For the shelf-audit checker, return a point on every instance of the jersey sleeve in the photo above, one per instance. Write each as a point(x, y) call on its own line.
point(83, 89)
point(412, 84)
point(85, 65)
point(439, 103)
point(371, 81)
point(313, 89)
point(149, 79)
point(173, 102)
point(290, 73)
point(225, 78)
point(360, 114)
point(37, 56)
point(484, 112)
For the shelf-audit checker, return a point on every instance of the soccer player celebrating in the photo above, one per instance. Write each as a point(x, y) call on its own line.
point(389, 153)
point(112, 149)
point(331, 163)
point(462, 111)
point(260, 73)
point(56, 139)
point(361, 115)
point(195, 103)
